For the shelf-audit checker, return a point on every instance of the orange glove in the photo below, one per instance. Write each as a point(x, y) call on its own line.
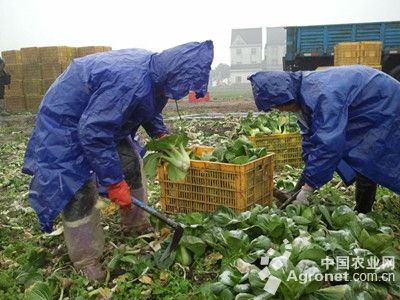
point(119, 193)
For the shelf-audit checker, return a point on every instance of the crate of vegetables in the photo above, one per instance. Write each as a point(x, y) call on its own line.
point(233, 174)
point(278, 133)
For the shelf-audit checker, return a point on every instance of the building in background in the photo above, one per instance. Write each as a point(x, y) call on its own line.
point(275, 49)
point(246, 54)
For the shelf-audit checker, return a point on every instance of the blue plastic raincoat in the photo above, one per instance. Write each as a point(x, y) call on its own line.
point(97, 101)
point(353, 114)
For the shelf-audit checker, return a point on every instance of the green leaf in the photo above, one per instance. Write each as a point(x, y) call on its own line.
point(183, 256)
point(194, 244)
point(375, 243)
point(337, 292)
point(364, 296)
point(228, 278)
point(240, 160)
point(377, 291)
point(39, 291)
point(343, 215)
point(174, 173)
point(236, 239)
point(244, 296)
point(261, 242)
point(150, 162)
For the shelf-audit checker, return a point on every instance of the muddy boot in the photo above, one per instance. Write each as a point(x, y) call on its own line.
point(365, 194)
point(133, 219)
point(85, 242)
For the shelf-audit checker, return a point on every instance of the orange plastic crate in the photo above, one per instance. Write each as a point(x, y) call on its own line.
point(209, 185)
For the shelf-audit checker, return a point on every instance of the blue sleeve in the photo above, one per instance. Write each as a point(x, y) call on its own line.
point(100, 121)
point(305, 142)
point(329, 121)
point(155, 126)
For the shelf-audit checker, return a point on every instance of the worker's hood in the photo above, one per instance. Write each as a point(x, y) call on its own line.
point(274, 88)
point(182, 69)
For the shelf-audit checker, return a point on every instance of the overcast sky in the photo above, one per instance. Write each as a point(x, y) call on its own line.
point(157, 25)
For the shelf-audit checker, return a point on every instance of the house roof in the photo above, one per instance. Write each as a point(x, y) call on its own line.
point(250, 36)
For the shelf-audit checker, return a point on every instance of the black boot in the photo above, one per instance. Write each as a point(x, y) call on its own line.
point(365, 194)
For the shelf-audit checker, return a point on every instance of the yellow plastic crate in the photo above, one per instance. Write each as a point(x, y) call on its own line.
point(347, 54)
point(370, 53)
point(287, 148)
point(209, 185)
point(377, 67)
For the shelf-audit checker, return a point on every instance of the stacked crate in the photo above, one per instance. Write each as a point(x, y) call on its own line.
point(347, 54)
point(364, 53)
point(33, 70)
point(370, 54)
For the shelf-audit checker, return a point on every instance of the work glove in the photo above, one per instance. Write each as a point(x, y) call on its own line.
point(303, 195)
point(120, 194)
point(161, 134)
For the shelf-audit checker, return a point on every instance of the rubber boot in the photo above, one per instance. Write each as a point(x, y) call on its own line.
point(85, 243)
point(133, 219)
point(365, 194)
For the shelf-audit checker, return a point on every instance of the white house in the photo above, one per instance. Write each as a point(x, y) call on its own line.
point(246, 53)
point(275, 48)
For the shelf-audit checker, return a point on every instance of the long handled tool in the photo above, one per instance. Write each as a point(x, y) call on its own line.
point(178, 228)
point(289, 200)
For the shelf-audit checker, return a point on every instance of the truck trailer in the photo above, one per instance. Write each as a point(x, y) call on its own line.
point(310, 47)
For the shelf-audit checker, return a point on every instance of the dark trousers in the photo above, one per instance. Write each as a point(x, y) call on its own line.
point(85, 198)
point(365, 193)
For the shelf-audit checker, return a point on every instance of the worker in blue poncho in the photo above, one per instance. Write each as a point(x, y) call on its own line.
point(82, 138)
point(350, 120)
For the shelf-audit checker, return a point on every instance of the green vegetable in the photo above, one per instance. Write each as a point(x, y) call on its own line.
point(183, 256)
point(239, 151)
point(171, 151)
point(265, 124)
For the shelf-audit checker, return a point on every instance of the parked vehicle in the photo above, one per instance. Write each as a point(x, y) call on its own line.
point(310, 47)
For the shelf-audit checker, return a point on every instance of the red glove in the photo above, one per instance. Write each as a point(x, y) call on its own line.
point(119, 193)
point(161, 134)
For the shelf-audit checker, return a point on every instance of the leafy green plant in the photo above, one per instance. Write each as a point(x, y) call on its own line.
point(171, 151)
point(264, 124)
point(239, 151)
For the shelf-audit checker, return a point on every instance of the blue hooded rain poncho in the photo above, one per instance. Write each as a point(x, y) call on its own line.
point(352, 115)
point(97, 101)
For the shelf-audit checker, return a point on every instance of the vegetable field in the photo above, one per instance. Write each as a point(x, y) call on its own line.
point(313, 252)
